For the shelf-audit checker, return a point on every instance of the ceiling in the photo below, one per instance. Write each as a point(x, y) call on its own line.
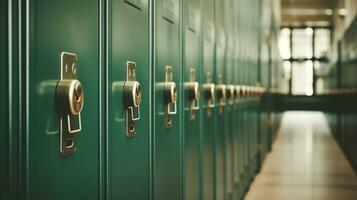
point(307, 12)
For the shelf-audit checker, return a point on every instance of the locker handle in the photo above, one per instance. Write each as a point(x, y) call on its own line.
point(193, 92)
point(132, 100)
point(221, 94)
point(69, 103)
point(209, 89)
point(237, 93)
point(170, 96)
point(230, 94)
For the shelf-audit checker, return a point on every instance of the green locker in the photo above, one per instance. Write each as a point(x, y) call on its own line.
point(220, 158)
point(263, 77)
point(239, 72)
point(4, 129)
point(62, 160)
point(128, 88)
point(235, 125)
point(9, 101)
point(167, 125)
point(230, 95)
point(192, 69)
point(208, 116)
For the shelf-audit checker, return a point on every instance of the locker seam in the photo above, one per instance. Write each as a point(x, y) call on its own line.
point(152, 66)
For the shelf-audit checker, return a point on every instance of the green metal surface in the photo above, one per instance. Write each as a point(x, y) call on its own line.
point(4, 123)
point(239, 123)
point(51, 28)
point(220, 171)
point(208, 116)
point(9, 101)
point(128, 158)
point(167, 141)
point(192, 59)
point(229, 80)
point(210, 157)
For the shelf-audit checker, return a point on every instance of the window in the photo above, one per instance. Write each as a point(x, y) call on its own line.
point(304, 50)
point(322, 42)
point(284, 43)
point(302, 43)
point(302, 78)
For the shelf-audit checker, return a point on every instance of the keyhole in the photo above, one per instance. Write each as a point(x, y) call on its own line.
point(78, 92)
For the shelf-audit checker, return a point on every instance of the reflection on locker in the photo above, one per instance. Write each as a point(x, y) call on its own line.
point(171, 99)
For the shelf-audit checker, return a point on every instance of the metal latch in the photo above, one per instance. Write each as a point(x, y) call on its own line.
point(243, 91)
point(193, 90)
point(69, 103)
point(209, 90)
point(170, 96)
point(230, 94)
point(221, 94)
point(131, 99)
point(237, 93)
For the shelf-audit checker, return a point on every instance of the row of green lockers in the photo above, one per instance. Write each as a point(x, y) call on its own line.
point(85, 112)
point(342, 77)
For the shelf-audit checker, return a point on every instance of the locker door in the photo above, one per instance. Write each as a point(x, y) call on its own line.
point(9, 100)
point(59, 163)
point(239, 112)
point(220, 101)
point(264, 57)
point(129, 125)
point(4, 130)
point(208, 117)
point(167, 115)
point(230, 89)
point(236, 100)
point(192, 55)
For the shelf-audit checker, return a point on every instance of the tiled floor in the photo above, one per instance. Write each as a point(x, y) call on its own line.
point(305, 164)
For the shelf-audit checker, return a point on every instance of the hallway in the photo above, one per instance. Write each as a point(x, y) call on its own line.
point(305, 163)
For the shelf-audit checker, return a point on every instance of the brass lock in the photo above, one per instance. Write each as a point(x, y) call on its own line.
point(209, 90)
point(237, 93)
point(193, 89)
point(170, 96)
point(193, 92)
point(69, 103)
point(230, 94)
point(70, 94)
point(131, 99)
point(246, 91)
point(256, 91)
point(243, 91)
point(221, 94)
point(250, 91)
point(132, 94)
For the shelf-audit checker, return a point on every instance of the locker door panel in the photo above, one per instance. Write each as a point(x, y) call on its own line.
point(53, 28)
point(4, 130)
point(191, 117)
point(229, 114)
point(167, 130)
point(220, 161)
point(208, 116)
point(128, 144)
